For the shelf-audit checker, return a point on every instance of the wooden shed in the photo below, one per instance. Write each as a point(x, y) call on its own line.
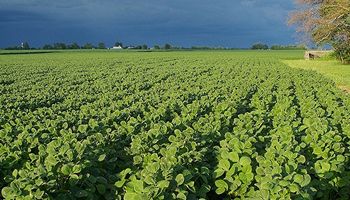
point(311, 55)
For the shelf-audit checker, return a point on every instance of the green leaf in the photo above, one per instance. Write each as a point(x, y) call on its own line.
point(50, 161)
point(7, 193)
point(205, 170)
point(325, 166)
point(101, 188)
point(231, 171)
point(172, 139)
point(340, 158)
point(328, 175)
point(180, 179)
point(82, 128)
point(133, 196)
point(149, 180)
point(163, 184)
point(125, 172)
point(298, 178)
point(102, 157)
point(181, 195)
point(225, 154)
point(81, 193)
point(77, 169)
point(177, 121)
point(204, 189)
point(224, 164)
point(218, 172)
point(69, 154)
point(221, 184)
point(74, 177)
point(15, 173)
point(153, 167)
point(190, 185)
point(249, 176)
point(317, 150)
point(172, 151)
point(260, 171)
point(93, 123)
point(233, 156)
point(39, 182)
point(301, 159)
point(308, 139)
point(265, 194)
point(66, 169)
point(92, 179)
point(220, 190)
point(65, 125)
point(245, 161)
point(306, 180)
point(38, 194)
point(120, 183)
point(294, 187)
point(130, 129)
point(246, 177)
point(137, 159)
point(283, 183)
point(138, 186)
point(101, 179)
point(22, 173)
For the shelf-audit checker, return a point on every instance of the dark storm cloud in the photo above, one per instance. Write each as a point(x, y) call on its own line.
point(19, 16)
point(183, 22)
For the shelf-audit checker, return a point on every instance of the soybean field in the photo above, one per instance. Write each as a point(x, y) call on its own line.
point(170, 125)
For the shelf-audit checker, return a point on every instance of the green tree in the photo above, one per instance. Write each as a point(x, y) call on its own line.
point(118, 44)
point(260, 46)
point(101, 45)
point(88, 46)
point(59, 46)
point(25, 46)
point(47, 46)
point(13, 48)
point(144, 46)
point(74, 46)
point(156, 47)
point(167, 46)
point(325, 22)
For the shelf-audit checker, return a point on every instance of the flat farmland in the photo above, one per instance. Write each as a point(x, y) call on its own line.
point(170, 125)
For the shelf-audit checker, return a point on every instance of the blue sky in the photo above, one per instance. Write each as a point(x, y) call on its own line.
point(226, 23)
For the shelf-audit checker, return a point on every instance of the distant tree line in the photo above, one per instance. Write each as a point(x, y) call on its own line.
point(288, 47)
point(167, 46)
point(61, 46)
point(101, 45)
point(212, 48)
point(75, 45)
point(262, 46)
point(23, 46)
point(58, 46)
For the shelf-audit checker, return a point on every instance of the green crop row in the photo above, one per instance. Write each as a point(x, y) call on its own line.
point(170, 126)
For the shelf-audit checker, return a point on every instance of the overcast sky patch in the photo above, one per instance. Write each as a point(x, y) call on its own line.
point(182, 22)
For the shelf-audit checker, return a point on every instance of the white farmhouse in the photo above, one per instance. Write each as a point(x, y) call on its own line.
point(116, 48)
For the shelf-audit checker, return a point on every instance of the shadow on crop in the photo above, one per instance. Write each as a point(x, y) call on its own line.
point(26, 52)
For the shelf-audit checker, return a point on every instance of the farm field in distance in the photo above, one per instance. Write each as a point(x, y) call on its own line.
point(170, 125)
point(330, 68)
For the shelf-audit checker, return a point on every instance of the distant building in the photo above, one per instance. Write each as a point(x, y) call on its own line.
point(116, 48)
point(311, 55)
